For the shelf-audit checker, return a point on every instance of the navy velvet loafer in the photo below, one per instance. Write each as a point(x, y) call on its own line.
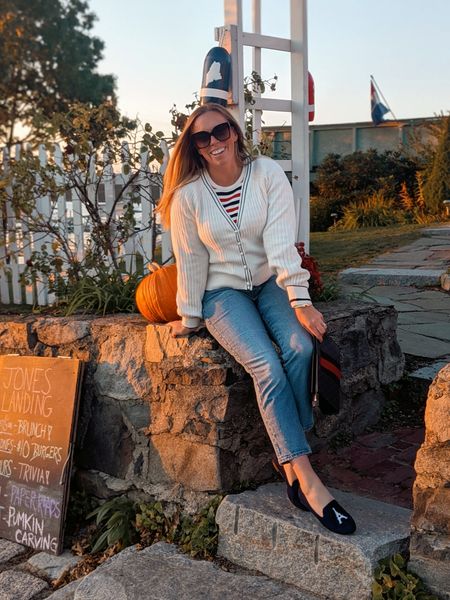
point(293, 491)
point(335, 518)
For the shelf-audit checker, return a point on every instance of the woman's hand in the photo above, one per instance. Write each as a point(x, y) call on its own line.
point(312, 320)
point(177, 329)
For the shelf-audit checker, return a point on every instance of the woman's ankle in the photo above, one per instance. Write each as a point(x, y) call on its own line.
point(290, 473)
point(303, 470)
point(310, 482)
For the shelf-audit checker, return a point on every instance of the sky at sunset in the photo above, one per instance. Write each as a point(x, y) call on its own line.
point(156, 50)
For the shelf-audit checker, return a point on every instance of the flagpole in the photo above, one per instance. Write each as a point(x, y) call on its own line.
point(377, 87)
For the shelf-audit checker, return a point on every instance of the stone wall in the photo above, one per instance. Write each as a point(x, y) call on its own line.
point(430, 536)
point(176, 419)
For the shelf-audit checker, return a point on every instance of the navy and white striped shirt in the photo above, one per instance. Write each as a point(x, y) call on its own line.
point(231, 201)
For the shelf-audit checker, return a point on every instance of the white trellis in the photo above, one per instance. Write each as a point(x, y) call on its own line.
point(72, 221)
point(233, 38)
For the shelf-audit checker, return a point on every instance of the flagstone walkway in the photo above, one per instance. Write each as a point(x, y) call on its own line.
point(401, 278)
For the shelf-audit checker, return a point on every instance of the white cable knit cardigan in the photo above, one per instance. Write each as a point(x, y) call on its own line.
point(212, 251)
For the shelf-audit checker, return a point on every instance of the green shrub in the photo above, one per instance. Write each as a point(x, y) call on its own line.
point(394, 582)
point(413, 205)
point(375, 211)
point(321, 211)
point(437, 185)
point(422, 218)
point(196, 535)
point(341, 180)
point(349, 177)
point(106, 291)
point(121, 522)
point(116, 521)
point(199, 534)
point(154, 525)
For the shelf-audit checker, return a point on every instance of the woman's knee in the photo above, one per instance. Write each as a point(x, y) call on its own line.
point(300, 348)
point(266, 367)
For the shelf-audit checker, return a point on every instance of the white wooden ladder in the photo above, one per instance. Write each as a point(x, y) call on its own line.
point(233, 38)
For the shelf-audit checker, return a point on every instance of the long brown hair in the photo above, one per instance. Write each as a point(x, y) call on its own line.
point(186, 164)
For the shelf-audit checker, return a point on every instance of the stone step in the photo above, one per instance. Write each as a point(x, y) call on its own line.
point(161, 572)
point(368, 276)
point(429, 372)
point(442, 231)
point(416, 383)
point(261, 530)
point(18, 585)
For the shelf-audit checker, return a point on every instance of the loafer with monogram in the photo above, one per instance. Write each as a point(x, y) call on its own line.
point(293, 491)
point(335, 518)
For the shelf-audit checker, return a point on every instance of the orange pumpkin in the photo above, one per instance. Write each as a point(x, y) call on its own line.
point(156, 294)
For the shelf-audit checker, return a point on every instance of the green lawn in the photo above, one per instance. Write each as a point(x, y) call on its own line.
point(335, 251)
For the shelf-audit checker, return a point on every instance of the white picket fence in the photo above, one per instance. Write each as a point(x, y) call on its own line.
point(68, 214)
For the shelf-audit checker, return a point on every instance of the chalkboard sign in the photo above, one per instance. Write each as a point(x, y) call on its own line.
point(38, 415)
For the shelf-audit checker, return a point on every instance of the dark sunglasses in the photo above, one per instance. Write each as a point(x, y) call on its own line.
point(221, 132)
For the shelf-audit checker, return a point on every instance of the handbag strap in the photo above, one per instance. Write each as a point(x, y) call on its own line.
point(315, 372)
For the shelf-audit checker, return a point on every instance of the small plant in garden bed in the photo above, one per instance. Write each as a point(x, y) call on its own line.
point(199, 534)
point(91, 287)
point(196, 535)
point(154, 524)
point(330, 290)
point(107, 291)
point(394, 582)
point(115, 522)
point(120, 522)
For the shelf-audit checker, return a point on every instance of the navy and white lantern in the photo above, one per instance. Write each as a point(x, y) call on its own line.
point(216, 76)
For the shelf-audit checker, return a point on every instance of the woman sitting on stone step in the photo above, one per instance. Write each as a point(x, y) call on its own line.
point(233, 227)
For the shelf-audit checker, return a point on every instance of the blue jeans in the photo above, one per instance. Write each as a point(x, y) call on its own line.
point(246, 323)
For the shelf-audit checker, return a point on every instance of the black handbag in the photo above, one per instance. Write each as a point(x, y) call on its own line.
point(326, 376)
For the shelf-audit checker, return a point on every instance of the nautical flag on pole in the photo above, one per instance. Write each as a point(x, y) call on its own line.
point(378, 109)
